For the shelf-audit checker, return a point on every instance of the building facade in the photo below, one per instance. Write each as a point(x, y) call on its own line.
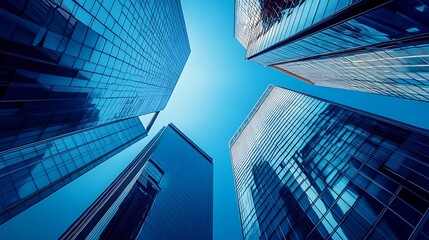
point(32, 172)
point(67, 65)
point(305, 168)
point(74, 77)
point(379, 47)
point(165, 193)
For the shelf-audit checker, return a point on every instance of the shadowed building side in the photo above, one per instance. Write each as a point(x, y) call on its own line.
point(165, 193)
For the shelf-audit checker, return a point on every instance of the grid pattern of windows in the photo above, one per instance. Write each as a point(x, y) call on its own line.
point(400, 72)
point(261, 23)
point(180, 208)
point(71, 64)
point(398, 20)
point(308, 169)
point(347, 28)
point(30, 173)
point(183, 207)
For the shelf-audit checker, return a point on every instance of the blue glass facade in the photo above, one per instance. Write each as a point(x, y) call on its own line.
point(305, 168)
point(74, 77)
point(372, 46)
point(165, 193)
point(67, 65)
point(30, 173)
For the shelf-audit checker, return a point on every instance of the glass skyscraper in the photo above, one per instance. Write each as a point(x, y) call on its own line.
point(379, 47)
point(67, 65)
point(33, 172)
point(74, 77)
point(165, 193)
point(305, 168)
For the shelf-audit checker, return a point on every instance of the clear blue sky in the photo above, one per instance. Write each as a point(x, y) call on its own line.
point(215, 93)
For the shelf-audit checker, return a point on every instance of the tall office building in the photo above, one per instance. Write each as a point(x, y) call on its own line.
point(74, 77)
point(67, 65)
point(379, 47)
point(165, 193)
point(305, 168)
point(30, 173)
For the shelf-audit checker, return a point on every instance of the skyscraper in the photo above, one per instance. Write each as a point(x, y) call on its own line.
point(68, 65)
point(305, 168)
point(378, 47)
point(30, 173)
point(165, 193)
point(74, 77)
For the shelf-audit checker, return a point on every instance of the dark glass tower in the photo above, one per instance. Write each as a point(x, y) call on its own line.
point(67, 65)
point(31, 173)
point(165, 193)
point(74, 77)
point(305, 168)
point(372, 46)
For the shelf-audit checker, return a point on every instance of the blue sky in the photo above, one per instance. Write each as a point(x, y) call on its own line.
point(216, 91)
